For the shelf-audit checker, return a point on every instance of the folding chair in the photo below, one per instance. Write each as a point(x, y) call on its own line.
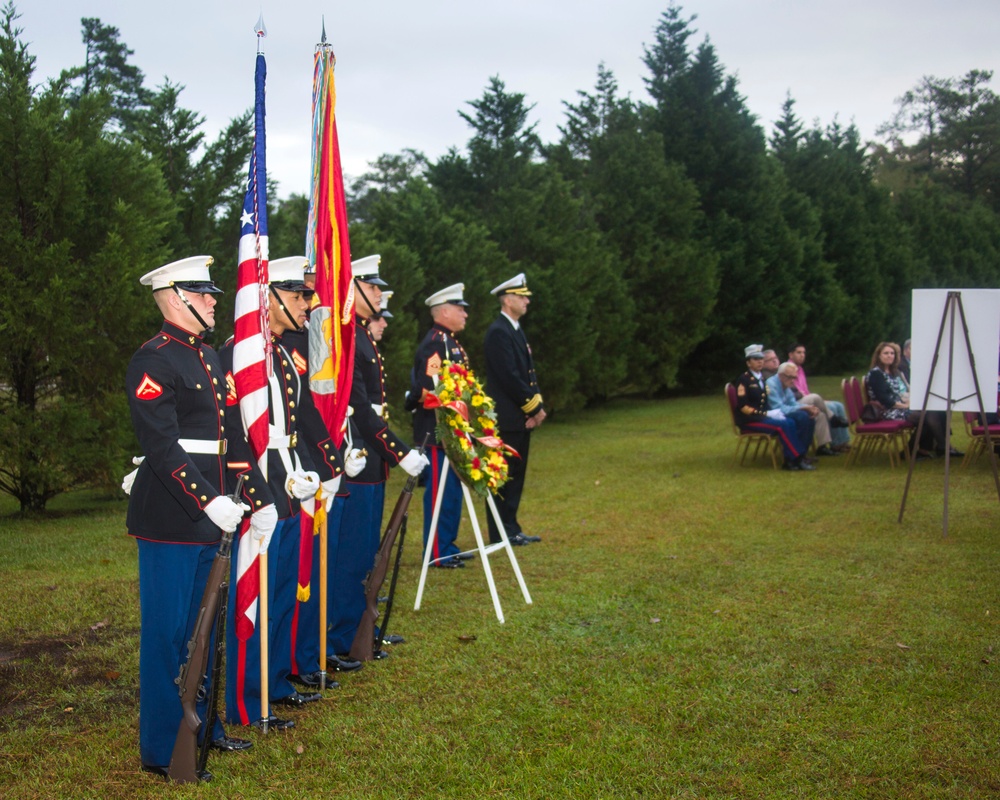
point(870, 437)
point(758, 441)
point(976, 431)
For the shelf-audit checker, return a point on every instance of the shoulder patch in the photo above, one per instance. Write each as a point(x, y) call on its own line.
point(301, 365)
point(741, 390)
point(148, 389)
point(230, 389)
point(434, 365)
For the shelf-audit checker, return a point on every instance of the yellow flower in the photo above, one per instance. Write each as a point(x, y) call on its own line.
point(477, 399)
point(476, 475)
point(445, 397)
point(465, 443)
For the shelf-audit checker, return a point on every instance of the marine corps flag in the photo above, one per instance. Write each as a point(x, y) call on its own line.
point(331, 322)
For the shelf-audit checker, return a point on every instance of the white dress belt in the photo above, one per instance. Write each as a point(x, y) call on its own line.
point(210, 447)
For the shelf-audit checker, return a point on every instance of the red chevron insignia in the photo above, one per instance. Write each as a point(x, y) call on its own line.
point(148, 389)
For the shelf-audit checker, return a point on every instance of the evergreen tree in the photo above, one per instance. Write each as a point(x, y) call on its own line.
point(81, 217)
point(708, 131)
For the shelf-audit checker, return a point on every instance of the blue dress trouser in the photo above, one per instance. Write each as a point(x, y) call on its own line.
point(306, 657)
point(360, 533)
point(172, 580)
point(283, 607)
point(451, 505)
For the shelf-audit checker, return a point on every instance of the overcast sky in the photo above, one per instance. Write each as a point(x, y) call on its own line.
point(405, 68)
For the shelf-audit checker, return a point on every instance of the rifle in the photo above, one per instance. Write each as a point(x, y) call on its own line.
point(364, 646)
point(187, 762)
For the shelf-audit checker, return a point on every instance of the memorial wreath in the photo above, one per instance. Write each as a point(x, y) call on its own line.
point(467, 429)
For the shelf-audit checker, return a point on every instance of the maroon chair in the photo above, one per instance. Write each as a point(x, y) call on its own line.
point(870, 437)
point(978, 443)
point(766, 443)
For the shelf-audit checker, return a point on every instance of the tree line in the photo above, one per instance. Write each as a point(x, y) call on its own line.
point(659, 234)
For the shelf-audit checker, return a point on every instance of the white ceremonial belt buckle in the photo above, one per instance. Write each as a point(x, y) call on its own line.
point(208, 447)
point(283, 442)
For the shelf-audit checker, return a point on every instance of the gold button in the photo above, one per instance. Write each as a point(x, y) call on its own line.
point(258, 502)
point(292, 418)
point(218, 396)
point(214, 380)
point(164, 338)
point(326, 447)
point(373, 360)
point(284, 363)
point(252, 490)
point(191, 339)
point(194, 485)
point(203, 498)
point(197, 386)
point(222, 413)
point(288, 377)
point(291, 404)
point(289, 390)
point(184, 474)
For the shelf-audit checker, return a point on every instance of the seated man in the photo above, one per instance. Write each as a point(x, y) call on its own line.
point(752, 413)
point(833, 410)
point(771, 364)
point(809, 419)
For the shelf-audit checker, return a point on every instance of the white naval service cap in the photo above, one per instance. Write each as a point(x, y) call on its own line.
point(190, 274)
point(288, 273)
point(366, 269)
point(753, 351)
point(516, 285)
point(450, 294)
point(383, 309)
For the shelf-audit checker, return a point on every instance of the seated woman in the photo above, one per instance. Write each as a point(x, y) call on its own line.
point(887, 386)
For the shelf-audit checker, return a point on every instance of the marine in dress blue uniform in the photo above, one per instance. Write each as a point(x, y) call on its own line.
point(361, 524)
point(513, 385)
point(439, 345)
point(753, 413)
point(301, 455)
point(177, 497)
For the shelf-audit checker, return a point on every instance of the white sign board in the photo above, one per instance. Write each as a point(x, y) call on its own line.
point(982, 315)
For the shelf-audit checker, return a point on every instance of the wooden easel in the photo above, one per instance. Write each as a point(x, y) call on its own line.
point(484, 550)
point(953, 305)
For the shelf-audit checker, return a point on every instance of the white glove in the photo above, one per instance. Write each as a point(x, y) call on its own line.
point(262, 524)
point(225, 513)
point(301, 484)
point(129, 479)
point(775, 413)
point(354, 463)
point(330, 488)
point(413, 463)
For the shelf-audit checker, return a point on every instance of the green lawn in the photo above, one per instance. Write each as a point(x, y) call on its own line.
point(698, 630)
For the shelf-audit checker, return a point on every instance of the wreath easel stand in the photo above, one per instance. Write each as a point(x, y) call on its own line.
point(484, 550)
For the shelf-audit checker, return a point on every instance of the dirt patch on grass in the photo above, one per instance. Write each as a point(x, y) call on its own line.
point(47, 673)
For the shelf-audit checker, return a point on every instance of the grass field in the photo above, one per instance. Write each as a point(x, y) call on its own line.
point(698, 629)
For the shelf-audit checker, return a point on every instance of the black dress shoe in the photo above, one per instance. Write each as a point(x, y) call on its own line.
point(393, 638)
point(164, 772)
point(465, 556)
point(806, 465)
point(518, 539)
point(152, 769)
point(231, 744)
point(346, 664)
point(313, 680)
point(531, 538)
point(297, 699)
point(379, 655)
point(825, 450)
point(839, 422)
point(790, 466)
point(275, 724)
point(449, 563)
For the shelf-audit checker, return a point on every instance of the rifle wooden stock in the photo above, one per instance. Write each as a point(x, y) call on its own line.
point(184, 761)
point(363, 646)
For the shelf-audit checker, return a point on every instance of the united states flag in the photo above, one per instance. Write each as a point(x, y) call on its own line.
point(252, 346)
